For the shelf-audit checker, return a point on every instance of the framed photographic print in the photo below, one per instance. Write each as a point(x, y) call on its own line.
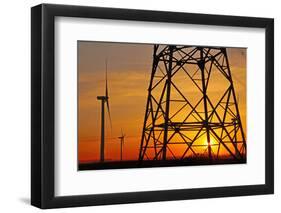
point(170, 105)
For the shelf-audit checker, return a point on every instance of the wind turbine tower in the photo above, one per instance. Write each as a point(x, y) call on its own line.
point(104, 100)
point(122, 140)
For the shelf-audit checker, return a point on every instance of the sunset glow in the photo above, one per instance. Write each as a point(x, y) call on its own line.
point(128, 71)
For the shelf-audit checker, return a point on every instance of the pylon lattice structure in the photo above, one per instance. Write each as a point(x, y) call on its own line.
point(192, 110)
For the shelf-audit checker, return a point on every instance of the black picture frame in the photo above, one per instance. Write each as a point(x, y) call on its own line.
point(43, 110)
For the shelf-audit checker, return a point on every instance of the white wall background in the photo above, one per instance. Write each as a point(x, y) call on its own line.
point(15, 105)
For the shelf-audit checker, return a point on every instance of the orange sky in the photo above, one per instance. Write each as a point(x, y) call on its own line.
point(129, 68)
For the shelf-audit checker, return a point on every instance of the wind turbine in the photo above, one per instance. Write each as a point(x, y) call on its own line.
point(104, 99)
point(122, 140)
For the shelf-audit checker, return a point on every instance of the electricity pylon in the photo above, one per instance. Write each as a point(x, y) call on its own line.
point(191, 110)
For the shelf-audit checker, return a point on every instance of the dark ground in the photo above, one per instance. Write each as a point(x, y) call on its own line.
point(150, 163)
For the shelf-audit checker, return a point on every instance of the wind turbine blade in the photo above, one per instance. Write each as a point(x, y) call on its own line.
point(109, 115)
point(106, 94)
point(106, 86)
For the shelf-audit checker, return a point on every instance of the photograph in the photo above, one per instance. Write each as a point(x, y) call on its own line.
point(154, 105)
point(134, 105)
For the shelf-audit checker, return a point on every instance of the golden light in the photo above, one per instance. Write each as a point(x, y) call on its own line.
point(212, 141)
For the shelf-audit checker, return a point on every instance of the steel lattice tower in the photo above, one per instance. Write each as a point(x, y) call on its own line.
point(192, 110)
